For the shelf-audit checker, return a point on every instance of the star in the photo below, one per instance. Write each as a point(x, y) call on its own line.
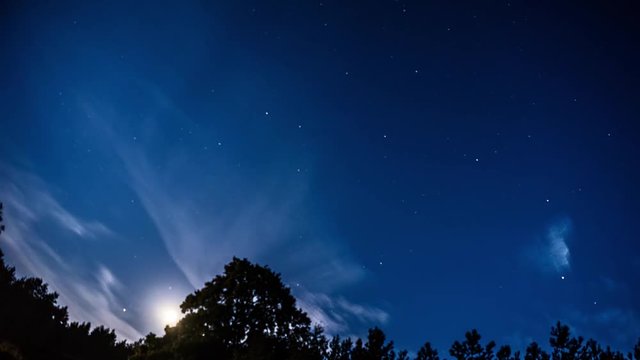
point(562, 277)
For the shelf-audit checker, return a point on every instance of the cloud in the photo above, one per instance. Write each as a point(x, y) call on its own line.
point(553, 254)
point(202, 225)
point(558, 251)
point(91, 296)
point(336, 314)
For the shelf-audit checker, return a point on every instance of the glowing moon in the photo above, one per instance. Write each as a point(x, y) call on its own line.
point(168, 315)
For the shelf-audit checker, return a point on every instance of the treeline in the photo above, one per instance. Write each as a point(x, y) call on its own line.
point(246, 313)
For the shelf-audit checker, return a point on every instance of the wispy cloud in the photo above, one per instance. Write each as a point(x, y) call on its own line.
point(92, 296)
point(552, 254)
point(202, 226)
point(336, 315)
point(558, 251)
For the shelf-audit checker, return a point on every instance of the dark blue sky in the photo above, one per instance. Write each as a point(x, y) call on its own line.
point(427, 168)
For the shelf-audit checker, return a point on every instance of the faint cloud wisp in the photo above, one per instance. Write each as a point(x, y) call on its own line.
point(558, 251)
point(552, 254)
point(204, 226)
point(31, 210)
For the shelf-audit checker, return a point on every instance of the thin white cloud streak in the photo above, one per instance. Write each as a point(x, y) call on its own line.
point(335, 314)
point(88, 298)
point(200, 245)
point(199, 235)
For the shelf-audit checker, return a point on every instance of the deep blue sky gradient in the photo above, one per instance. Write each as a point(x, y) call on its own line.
point(417, 166)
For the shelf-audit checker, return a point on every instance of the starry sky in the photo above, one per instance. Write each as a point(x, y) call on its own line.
point(427, 167)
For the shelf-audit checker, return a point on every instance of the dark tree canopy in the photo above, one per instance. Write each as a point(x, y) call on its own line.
point(244, 312)
point(471, 348)
point(427, 352)
point(376, 347)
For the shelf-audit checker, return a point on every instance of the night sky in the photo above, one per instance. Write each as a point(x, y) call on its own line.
point(427, 167)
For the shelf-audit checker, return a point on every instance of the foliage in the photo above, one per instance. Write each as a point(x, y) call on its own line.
point(245, 313)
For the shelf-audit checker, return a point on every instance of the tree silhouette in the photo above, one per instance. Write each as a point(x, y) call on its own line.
point(376, 348)
point(564, 346)
point(471, 348)
point(339, 349)
point(427, 352)
point(535, 352)
point(504, 353)
point(245, 313)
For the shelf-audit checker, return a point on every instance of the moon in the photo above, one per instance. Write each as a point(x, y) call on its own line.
point(168, 314)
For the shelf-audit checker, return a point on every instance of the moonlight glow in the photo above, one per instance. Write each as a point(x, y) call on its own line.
point(168, 314)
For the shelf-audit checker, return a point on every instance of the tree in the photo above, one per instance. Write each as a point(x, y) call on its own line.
point(471, 348)
point(339, 349)
point(565, 347)
point(535, 352)
point(427, 352)
point(504, 353)
point(403, 355)
point(245, 313)
point(376, 348)
point(358, 352)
